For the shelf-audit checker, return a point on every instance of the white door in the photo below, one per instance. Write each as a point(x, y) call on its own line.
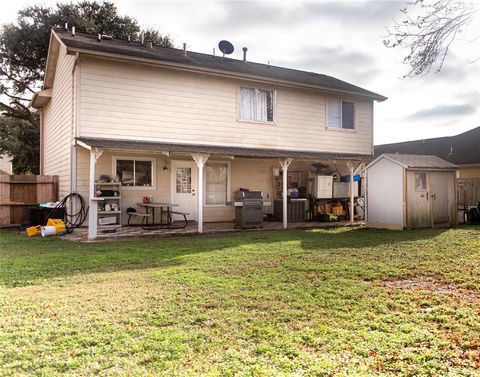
point(184, 188)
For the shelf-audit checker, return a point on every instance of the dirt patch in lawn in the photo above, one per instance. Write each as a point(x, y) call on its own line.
point(425, 283)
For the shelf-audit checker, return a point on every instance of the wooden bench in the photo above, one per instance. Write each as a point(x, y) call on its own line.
point(184, 214)
point(144, 216)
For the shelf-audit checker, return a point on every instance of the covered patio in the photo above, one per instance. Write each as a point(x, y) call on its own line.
point(206, 219)
point(192, 229)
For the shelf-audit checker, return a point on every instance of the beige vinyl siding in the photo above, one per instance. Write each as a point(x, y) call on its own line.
point(469, 172)
point(130, 196)
point(58, 124)
point(135, 101)
point(254, 174)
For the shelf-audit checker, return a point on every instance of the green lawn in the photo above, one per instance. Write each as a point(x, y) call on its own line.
point(341, 302)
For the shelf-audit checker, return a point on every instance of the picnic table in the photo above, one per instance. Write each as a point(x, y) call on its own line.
point(165, 212)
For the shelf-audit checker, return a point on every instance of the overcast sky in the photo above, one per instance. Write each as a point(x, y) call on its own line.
point(339, 38)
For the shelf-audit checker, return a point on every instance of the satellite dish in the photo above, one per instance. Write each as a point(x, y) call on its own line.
point(226, 47)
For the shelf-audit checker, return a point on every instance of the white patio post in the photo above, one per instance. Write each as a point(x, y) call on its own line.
point(93, 207)
point(200, 159)
point(285, 164)
point(350, 167)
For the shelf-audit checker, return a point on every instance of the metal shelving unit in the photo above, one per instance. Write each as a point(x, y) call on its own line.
point(111, 200)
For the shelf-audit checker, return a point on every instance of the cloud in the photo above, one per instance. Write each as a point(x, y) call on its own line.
point(356, 12)
point(341, 61)
point(444, 111)
point(251, 14)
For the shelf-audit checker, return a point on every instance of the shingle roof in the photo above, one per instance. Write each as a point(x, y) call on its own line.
point(460, 149)
point(88, 42)
point(219, 150)
point(415, 161)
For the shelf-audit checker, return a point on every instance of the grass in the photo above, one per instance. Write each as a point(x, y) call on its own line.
point(257, 304)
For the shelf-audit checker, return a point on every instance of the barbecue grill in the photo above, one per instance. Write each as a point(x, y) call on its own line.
point(248, 209)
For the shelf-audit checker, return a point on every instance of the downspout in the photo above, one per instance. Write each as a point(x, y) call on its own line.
point(73, 149)
point(73, 159)
point(42, 142)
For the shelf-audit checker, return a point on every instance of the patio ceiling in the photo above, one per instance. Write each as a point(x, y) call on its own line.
point(168, 148)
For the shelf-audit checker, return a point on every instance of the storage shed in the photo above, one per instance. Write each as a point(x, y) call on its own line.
point(410, 191)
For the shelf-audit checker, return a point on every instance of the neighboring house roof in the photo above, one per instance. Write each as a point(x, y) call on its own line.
point(219, 150)
point(460, 149)
point(415, 161)
point(82, 42)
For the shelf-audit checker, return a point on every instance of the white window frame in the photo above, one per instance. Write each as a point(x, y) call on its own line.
point(274, 102)
point(354, 129)
point(132, 158)
point(229, 184)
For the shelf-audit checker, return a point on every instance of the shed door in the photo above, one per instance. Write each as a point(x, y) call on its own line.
point(439, 196)
point(418, 206)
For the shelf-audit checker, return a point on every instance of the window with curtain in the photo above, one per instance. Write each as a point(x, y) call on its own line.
point(256, 104)
point(341, 114)
point(216, 183)
point(134, 173)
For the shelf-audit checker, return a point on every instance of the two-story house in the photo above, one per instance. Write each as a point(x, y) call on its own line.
point(190, 128)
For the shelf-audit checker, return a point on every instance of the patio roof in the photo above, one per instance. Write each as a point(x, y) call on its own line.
point(152, 146)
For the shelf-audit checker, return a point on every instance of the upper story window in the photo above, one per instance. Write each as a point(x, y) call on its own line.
point(256, 104)
point(135, 172)
point(341, 114)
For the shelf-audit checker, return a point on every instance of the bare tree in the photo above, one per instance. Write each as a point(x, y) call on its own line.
point(428, 36)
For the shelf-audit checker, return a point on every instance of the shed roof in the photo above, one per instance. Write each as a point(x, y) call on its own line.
point(460, 149)
point(218, 150)
point(416, 161)
point(88, 42)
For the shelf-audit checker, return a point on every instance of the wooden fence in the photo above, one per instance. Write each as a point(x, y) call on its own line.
point(20, 191)
point(468, 191)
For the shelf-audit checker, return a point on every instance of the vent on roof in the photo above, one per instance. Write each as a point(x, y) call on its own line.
point(245, 54)
point(73, 31)
point(185, 49)
point(100, 37)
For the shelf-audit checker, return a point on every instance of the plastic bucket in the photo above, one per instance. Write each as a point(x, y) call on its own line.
point(48, 231)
